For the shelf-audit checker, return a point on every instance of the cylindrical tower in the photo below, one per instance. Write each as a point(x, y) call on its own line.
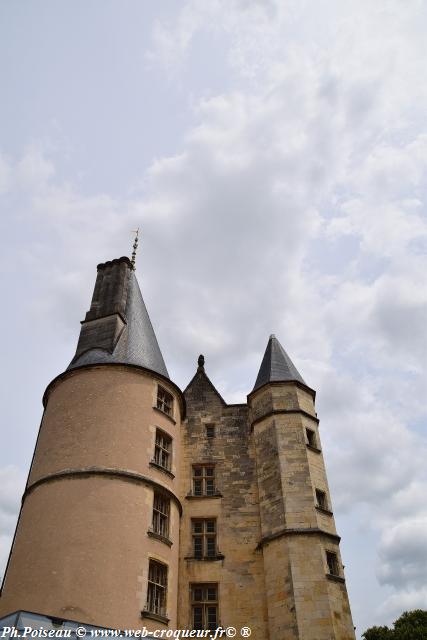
point(97, 538)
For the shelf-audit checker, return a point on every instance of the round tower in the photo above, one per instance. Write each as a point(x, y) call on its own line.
point(97, 538)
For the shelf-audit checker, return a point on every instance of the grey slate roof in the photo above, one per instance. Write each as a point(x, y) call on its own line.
point(137, 343)
point(276, 365)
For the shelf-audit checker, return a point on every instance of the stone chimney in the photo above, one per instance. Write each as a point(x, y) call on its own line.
point(106, 318)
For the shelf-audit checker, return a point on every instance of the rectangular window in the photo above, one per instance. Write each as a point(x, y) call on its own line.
point(204, 480)
point(163, 449)
point(311, 438)
point(321, 499)
point(204, 538)
point(164, 401)
point(161, 506)
point(204, 606)
point(157, 588)
point(332, 561)
point(210, 431)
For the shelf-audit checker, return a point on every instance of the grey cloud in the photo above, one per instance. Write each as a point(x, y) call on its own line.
point(403, 555)
point(373, 457)
point(401, 600)
point(401, 321)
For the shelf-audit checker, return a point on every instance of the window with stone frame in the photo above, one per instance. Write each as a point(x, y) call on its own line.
point(203, 482)
point(204, 606)
point(204, 538)
point(311, 438)
point(161, 508)
point(164, 401)
point(333, 564)
point(163, 450)
point(210, 431)
point(157, 588)
point(321, 499)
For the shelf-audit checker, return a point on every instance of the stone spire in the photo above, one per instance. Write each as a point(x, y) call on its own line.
point(117, 328)
point(276, 365)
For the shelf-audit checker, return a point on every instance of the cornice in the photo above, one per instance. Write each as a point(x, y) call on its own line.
point(122, 474)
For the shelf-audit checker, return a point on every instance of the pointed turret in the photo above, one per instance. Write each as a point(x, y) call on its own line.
point(117, 328)
point(276, 365)
point(108, 447)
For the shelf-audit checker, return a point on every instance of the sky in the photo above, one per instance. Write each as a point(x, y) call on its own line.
point(274, 156)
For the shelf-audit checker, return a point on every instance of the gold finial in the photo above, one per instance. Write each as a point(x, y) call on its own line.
point(135, 247)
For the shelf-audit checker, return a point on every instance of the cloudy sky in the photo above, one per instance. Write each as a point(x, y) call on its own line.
point(274, 154)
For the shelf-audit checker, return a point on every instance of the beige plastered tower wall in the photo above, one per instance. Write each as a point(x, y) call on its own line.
point(84, 539)
point(81, 550)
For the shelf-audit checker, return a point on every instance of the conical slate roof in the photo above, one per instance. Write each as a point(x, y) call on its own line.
point(276, 365)
point(136, 344)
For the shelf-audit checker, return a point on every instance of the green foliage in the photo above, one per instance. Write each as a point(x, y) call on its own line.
point(412, 625)
point(378, 633)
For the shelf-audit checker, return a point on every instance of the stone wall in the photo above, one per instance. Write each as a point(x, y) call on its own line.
point(239, 573)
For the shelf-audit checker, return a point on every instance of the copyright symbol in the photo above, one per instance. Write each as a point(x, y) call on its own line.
point(80, 632)
point(230, 632)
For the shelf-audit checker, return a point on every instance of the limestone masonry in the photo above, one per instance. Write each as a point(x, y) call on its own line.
point(148, 507)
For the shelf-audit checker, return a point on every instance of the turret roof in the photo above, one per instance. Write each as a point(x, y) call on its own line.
point(276, 365)
point(137, 343)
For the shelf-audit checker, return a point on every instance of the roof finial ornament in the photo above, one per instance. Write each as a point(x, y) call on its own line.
point(135, 247)
point(201, 363)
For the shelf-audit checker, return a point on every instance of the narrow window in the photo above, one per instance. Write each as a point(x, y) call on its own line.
point(161, 506)
point(204, 606)
point(311, 438)
point(210, 431)
point(197, 527)
point(163, 449)
point(164, 401)
point(157, 587)
point(204, 538)
point(321, 499)
point(204, 480)
point(332, 561)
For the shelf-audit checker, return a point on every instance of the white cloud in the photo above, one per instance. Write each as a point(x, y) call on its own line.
point(34, 170)
point(395, 604)
point(410, 500)
point(403, 554)
point(4, 175)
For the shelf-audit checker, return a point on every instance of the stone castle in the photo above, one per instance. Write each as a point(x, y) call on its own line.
point(150, 507)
